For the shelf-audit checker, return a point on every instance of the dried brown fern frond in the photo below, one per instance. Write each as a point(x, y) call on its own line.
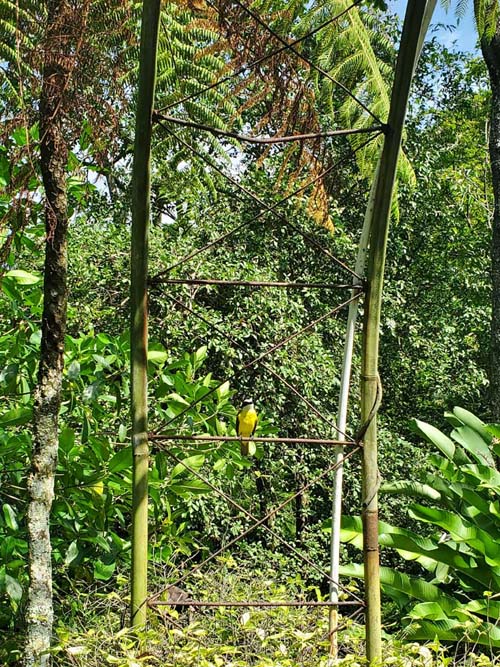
point(92, 53)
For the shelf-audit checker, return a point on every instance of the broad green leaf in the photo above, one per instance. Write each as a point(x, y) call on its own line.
point(195, 462)
point(122, 433)
point(462, 531)
point(20, 136)
point(493, 430)
point(13, 588)
point(91, 392)
point(486, 607)
point(10, 516)
point(223, 390)
point(434, 435)
point(157, 356)
point(71, 553)
point(23, 277)
point(452, 419)
point(16, 417)
point(415, 588)
point(4, 170)
point(472, 442)
point(411, 489)
point(102, 361)
point(199, 356)
point(103, 571)
point(67, 439)
point(485, 634)
point(190, 487)
point(412, 546)
point(178, 399)
point(122, 460)
point(473, 422)
point(433, 611)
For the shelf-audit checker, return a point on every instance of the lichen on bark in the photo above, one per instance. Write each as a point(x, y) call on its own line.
point(47, 398)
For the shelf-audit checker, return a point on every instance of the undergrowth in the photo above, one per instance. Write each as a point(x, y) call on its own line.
point(91, 633)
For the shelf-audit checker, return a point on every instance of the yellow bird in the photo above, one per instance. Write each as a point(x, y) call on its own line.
point(246, 423)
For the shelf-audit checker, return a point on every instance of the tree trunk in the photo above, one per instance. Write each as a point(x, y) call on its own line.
point(47, 398)
point(491, 54)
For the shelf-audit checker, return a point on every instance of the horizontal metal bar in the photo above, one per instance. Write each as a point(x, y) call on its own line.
point(259, 603)
point(258, 523)
point(230, 438)
point(252, 283)
point(306, 60)
point(265, 140)
point(266, 56)
point(267, 208)
point(279, 377)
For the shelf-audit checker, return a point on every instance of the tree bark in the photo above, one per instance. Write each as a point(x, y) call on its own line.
point(491, 54)
point(47, 397)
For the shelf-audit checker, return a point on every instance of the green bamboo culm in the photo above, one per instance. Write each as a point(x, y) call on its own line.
point(141, 186)
point(417, 18)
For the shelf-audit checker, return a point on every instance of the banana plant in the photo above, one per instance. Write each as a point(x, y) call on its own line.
point(456, 597)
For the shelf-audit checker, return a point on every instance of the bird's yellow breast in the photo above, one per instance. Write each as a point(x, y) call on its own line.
point(247, 419)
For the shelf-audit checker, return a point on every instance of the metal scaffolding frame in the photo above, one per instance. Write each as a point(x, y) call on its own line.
point(364, 440)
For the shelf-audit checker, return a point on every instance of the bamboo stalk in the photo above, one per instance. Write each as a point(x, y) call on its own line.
point(141, 210)
point(345, 381)
point(418, 14)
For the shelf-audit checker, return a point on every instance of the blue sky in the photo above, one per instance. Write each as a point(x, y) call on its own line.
point(461, 36)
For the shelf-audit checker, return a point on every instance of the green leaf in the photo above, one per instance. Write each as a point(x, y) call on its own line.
point(20, 136)
point(102, 571)
point(73, 370)
point(67, 439)
point(451, 629)
point(223, 390)
point(13, 588)
point(71, 553)
point(23, 277)
point(157, 356)
point(434, 435)
point(473, 422)
point(91, 392)
point(462, 530)
point(16, 417)
point(199, 357)
point(122, 460)
point(4, 171)
point(10, 516)
point(177, 398)
point(190, 487)
point(411, 489)
point(413, 587)
point(195, 462)
point(474, 443)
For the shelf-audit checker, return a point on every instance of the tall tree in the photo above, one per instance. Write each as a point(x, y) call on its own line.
point(79, 85)
point(53, 160)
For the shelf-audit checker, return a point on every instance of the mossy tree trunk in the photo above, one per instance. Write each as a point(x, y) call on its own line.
point(47, 397)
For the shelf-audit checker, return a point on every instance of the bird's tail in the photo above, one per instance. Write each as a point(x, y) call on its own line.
point(244, 447)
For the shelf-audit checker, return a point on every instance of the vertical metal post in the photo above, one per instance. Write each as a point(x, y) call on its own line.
point(418, 14)
point(141, 182)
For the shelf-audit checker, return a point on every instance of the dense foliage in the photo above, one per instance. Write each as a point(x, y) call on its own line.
point(435, 333)
point(460, 500)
